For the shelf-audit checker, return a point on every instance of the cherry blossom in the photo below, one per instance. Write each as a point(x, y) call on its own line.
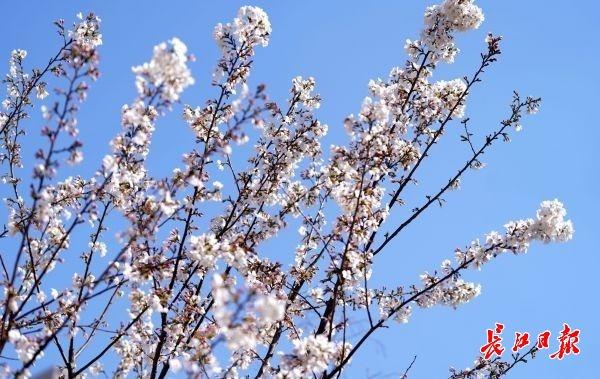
point(242, 262)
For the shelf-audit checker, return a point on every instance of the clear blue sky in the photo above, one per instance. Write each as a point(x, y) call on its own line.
point(550, 50)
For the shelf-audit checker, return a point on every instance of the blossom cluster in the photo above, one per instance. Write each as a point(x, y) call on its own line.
point(87, 32)
point(310, 355)
point(441, 22)
point(166, 70)
point(549, 225)
point(446, 287)
point(237, 40)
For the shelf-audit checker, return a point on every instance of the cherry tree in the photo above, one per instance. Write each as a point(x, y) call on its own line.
point(190, 286)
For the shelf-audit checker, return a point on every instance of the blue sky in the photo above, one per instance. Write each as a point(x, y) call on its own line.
point(550, 49)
